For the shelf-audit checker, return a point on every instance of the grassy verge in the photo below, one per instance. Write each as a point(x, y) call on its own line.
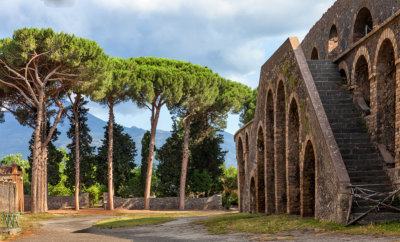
point(129, 221)
point(28, 222)
point(142, 219)
point(261, 224)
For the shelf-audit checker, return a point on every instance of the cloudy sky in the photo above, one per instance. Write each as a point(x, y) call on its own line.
point(232, 37)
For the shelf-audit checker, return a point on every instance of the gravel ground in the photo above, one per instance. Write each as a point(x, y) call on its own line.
point(80, 229)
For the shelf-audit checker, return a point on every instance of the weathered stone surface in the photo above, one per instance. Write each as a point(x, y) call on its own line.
point(61, 202)
point(8, 197)
point(168, 203)
point(308, 142)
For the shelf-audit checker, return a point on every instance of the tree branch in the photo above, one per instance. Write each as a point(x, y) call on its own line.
point(56, 120)
point(51, 74)
point(16, 115)
point(21, 77)
point(34, 103)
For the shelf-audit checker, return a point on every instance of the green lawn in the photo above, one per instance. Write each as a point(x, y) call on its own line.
point(129, 221)
point(142, 219)
point(262, 224)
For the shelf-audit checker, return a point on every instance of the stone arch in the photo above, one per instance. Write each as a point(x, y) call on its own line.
point(252, 203)
point(280, 149)
point(269, 146)
point(293, 159)
point(333, 41)
point(387, 34)
point(241, 172)
point(314, 54)
point(260, 171)
point(361, 75)
point(363, 23)
point(308, 183)
point(385, 67)
point(362, 51)
point(344, 72)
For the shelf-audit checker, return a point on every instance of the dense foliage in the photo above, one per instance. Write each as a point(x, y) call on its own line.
point(204, 163)
point(88, 162)
point(124, 152)
point(249, 107)
point(41, 68)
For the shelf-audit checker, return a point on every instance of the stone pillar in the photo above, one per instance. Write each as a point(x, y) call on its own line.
point(372, 119)
point(397, 137)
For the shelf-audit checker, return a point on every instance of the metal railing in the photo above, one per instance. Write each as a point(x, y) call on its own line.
point(378, 199)
point(10, 220)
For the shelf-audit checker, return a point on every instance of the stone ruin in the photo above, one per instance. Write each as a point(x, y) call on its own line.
point(327, 120)
point(11, 189)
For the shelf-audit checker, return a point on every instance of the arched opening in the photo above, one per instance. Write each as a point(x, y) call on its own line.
point(363, 24)
point(270, 176)
point(241, 174)
point(314, 54)
point(362, 79)
point(253, 202)
point(333, 39)
point(343, 76)
point(308, 182)
point(260, 172)
point(280, 151)
point(386, 86)
point(293, 169)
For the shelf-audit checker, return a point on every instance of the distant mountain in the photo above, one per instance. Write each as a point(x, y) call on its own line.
point(14, 138)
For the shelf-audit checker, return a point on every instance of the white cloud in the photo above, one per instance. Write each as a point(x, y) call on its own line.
point(143, 5)
point(232, 37)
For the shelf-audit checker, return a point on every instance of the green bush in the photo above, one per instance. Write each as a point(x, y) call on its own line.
point(95, 192)
point(60, 190)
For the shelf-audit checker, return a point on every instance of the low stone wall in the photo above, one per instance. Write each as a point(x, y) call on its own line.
point(61, 202)
point(168, 203)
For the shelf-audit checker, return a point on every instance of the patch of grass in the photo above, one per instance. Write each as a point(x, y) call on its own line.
point(262, 224)
point(29, 221)
point(38, 217)
point(129, 221)
point(142, 219)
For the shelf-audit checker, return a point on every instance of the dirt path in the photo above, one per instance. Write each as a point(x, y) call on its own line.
point(80, 229)
point(182, 229)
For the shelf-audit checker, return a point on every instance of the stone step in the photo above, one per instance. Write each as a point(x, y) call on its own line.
point(365, 208)
point(343, 115)
point(369, 180)
point(364, 168)
point(361, 157)
point(356, 151)
point(380, 217)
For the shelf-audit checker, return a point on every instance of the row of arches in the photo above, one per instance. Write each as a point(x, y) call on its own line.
point(362, 26)
point(378, 90)
point(283, 182)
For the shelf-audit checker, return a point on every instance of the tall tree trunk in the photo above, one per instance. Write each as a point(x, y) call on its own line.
point(77, 176)
point(75, 107)
point(36, 163)
point(44, 179)
point(110, 155)
point(185, 159)
point(44, 160)
point(154, 121)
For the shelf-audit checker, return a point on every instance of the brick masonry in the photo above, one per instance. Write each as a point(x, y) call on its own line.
point(304, 172)
point(61, 202)
point(168, 203)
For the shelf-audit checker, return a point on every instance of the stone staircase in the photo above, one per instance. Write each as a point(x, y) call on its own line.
point(361, 157)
